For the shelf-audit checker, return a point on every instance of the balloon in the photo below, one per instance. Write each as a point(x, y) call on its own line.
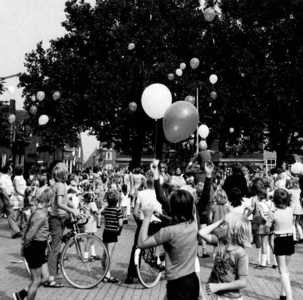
point(11, 118)
point(40, 95)
point(231, 130)
point(194, 63)
point(209, 14)
point(33, 109)
point(202, 145)
point(190, 99)
point(56, 96)
point(180, 121)
point(11, 90)
point(297, 168)
point(131, 46)
point(132, 106)
point(179, 72)
point(156, 99)
point(203, 131)
point(182, 66)
point(43, 119)
point(213, 95)
point(170, 76)
point(213, 78)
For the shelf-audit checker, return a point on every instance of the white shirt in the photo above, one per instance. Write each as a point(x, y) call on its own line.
point(7, 184)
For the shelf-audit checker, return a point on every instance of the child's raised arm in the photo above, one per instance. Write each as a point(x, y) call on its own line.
point(205, 233)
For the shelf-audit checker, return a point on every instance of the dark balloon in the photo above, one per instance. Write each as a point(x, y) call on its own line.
point(132, 106)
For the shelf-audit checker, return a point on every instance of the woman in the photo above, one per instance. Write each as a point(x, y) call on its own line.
point(178, 179)
point(164, 176)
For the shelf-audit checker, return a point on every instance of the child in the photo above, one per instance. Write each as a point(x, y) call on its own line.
point(180, 244)
point(113, 227)
point(229, 274)
point(125, 202)
point(99, 196)
point(282, 219)
point(26, 211)
point(34, 245)
point(91, 226)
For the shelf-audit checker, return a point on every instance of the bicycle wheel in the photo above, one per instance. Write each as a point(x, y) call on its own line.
point(148, 269)
point(80, 272)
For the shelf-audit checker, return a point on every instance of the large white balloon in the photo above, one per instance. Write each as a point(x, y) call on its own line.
point(43, 119)
point(297, 168)
point(213, 78)
point(203, 131)
point(179, 72)
point(156, 99)
point(11, 90)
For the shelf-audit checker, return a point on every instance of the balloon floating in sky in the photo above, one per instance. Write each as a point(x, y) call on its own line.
point(43, 120)
point(190, 99)
point(170, 76)
point(180, 121)
point(231, 130)
point(179, 72)
point(11, 118)
point(203, 131)
point(131, 46)
point(132, 106)
point(203, 145)
point(297, 168)
point(209, 14)
point(194, 63)
point(40, 95)
point(213, 94)
point(11, 90)
point(156, 99)
point(213, 78)
point(56, 96)
point(182, 66)
point(33, 109)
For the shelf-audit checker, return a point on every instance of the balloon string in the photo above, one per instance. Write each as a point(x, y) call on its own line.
point(156, 137)
point(197, 150)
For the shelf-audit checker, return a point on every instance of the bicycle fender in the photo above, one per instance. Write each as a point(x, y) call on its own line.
point(137, 254)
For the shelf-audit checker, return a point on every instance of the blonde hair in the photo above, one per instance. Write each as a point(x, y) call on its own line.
point(46, 195)
point(59, 172)
point(238, 227)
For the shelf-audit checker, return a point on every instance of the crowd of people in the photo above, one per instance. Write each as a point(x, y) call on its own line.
point(175, 210)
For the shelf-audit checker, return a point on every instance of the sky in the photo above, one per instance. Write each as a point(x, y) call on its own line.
point(24, 23)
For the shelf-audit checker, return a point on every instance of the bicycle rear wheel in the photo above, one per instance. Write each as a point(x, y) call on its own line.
point(80, 272)
point(148, 269)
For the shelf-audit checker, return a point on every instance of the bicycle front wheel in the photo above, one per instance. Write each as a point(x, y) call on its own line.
point(148, 269)
point(81, 272)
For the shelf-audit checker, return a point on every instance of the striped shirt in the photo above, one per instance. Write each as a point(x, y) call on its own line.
point(112, 216)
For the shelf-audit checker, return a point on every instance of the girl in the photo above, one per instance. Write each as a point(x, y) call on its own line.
point(295, 192)
point(34, 245)
point(99, 196)
point(229, 274)
point(113, 227)
point(125, 202)
point(282, 221)
point(180, 244)
point(236, 202)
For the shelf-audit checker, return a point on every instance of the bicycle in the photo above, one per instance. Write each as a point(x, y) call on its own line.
point(149, 266)
point(80, 272)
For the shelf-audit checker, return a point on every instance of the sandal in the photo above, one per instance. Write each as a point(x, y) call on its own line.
point(110, 279)
point(53, 284)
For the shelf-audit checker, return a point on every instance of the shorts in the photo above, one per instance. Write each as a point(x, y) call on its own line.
point(183, 288)
point(35, 254)
point(284, 245)
point(110, 236)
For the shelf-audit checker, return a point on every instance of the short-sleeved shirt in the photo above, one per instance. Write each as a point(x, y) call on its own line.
point(282, 220)
point(231, 262)
point(180, 244)
point(60, 190)
point(91, 225)
point(7, 184)
point(43, 232)
point(112, 216)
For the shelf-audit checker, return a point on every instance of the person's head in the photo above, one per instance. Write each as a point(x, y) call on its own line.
point(45, 197)
point(220, 197)
point(5, 169)
point(137, 171)
point(244, 170)
point(42, 180)
point(190, 180)
point(60, 172)
point(124, 188)
point(262, 193)
point(112, 198)
point(199, 187)
point(163, 167)
point(173, 188)
point(19, 170)
point(235, 197)
point(182, 207)
point(284, 166)
point(237, 168)
point(150, 180)
point(178, 171)
point(95, 169)
point(281, 198)
point(35, 183)
point(87, 197)
point(293, 184)
point(236, 229)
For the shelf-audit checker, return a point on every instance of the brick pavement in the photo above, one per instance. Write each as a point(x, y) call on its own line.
point(262, 284)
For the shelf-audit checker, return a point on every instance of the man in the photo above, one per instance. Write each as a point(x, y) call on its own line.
point(6, 191)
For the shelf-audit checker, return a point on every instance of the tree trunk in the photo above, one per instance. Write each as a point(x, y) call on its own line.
point(137, 148)
point(281, 156)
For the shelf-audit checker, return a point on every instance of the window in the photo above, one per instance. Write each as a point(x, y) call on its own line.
point(109, 156)
point(22, 160)
point(3, 158)
point(17, 160)
point(270, 164)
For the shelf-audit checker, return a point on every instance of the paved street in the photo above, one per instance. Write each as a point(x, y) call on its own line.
point(262, 284)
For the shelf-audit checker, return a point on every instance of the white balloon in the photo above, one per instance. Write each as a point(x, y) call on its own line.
point(40, 95)
point(11, 90)
point(182, 66)
point(43, 119)
point(11, 118)
point(156, 99)
point(203, 145)
point(179, 72)
point(203, 131)
point(231, 130)
point(213, 78)
point(297, 168)
point(131, 46)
